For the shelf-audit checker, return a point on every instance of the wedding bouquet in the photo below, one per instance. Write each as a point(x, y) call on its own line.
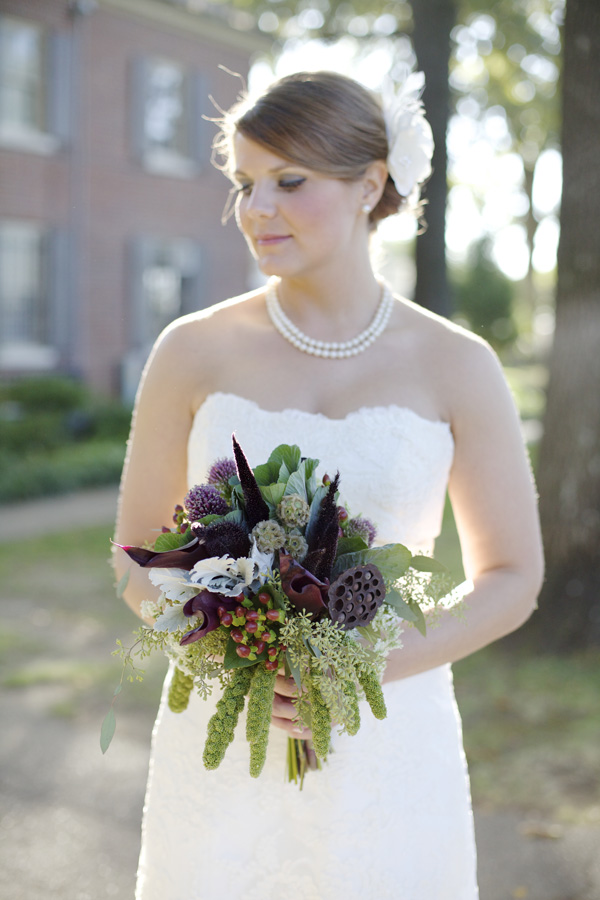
point(265, 570)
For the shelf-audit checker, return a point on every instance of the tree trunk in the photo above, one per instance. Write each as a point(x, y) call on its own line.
point(434, 20)
point(569, 468)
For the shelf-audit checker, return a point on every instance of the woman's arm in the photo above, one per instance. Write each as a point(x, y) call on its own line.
point(493, 498)
point(154, 475)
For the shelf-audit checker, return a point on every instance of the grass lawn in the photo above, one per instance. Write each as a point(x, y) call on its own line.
point(531, 725)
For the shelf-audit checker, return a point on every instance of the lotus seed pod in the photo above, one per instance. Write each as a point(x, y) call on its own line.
point(293, 510)
point(355, 596)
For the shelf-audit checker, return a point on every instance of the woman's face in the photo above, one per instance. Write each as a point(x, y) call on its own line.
point(294, 219)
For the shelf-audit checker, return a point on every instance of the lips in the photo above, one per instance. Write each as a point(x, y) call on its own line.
point(267, 240)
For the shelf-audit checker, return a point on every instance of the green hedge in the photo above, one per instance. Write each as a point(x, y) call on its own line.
point(68, 469)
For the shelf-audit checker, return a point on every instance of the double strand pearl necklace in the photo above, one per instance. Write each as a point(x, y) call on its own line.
point(329, 349)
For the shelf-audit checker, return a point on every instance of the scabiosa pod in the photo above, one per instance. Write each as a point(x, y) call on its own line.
point(296, 546)
point(204, 500)
point(269, 536)
point(293, 511)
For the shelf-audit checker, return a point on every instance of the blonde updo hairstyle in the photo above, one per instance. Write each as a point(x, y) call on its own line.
point(321, 120)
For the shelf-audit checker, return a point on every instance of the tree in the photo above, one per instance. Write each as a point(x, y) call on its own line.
point(569, 466)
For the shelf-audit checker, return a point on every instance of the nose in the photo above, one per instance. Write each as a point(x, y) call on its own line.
point(259, 203)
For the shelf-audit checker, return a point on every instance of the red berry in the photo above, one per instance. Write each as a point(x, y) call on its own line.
point(226, 619)
point(251, 627)
point(272, 652)
point(165, 530)
point(264, 598)
point(272, 615)
point(342, 514)
point(237, 635)
point(258, 647)
point(183, 528)
point(179, 508)
point(221, 610)
point(240, 598)
point(240, 612)
point(272, 665)
point(252, 615)
point(326, 479)
point(242, 650)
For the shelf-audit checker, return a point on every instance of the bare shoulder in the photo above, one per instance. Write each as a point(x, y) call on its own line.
point(463, 366)
point(198, 330)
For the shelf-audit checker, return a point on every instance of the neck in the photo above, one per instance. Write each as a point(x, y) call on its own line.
point(332, 305)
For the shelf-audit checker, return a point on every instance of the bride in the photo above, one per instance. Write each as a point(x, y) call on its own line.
point(404, 403)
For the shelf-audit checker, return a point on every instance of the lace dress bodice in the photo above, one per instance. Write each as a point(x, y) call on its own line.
point(389, 816)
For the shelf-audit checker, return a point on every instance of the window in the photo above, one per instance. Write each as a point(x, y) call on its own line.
point(26, 326)
point(34, 86)
point(165, 284)
point(169, 134)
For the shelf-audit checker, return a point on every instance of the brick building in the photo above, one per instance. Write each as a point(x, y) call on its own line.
point(109, 206)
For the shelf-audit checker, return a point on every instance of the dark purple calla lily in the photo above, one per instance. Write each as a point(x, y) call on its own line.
point(206, 603)
point(302, 589)
point(184, 557)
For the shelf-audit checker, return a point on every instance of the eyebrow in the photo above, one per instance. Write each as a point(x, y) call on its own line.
point(275, 169)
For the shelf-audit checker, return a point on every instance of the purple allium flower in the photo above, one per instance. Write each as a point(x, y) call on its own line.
point(362, 528)
point(220, 473)
point(204, 500)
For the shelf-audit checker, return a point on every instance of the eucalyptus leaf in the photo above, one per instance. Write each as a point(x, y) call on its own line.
point(172, 540)
point(122, 584)
point(107, 730)
point(289, 454)
point(313, 648)
point(295, 671)
point(236, 515)
point(392, 560)
point(427, 564)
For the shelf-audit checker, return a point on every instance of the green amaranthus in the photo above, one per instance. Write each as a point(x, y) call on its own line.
point(260, 705)
point(222, 724)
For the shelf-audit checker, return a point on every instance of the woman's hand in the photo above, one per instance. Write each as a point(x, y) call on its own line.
point(284, 712)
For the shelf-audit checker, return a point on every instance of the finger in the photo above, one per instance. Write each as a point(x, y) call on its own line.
point(293, 729)
point(286, 686)
point(283, 708)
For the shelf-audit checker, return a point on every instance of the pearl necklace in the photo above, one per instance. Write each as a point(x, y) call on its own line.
point(329, 349)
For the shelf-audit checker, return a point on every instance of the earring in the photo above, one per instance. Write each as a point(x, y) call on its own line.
point(366, 208)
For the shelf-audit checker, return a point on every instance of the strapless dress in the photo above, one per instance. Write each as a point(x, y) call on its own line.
point(389, 816)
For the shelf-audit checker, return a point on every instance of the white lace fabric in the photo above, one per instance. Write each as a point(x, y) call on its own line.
point(389, 816)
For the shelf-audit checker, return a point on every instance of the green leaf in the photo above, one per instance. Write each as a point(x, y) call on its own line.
point(392, 560)
point(123, 582)
point(287, 453)
point(420, 623)
point(272, 493)
point(207, 520)
point(172, 540)
point(108, 729)
point(297, 482)
point(427, 564)
point(117, 690)
point(295, 670)
point(351, 545)
point(315, 506)
point(233, 661)
point(236, 515)
point(404, 610)
point(267, 473)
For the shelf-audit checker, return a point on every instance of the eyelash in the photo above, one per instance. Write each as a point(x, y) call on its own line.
point(284, 185)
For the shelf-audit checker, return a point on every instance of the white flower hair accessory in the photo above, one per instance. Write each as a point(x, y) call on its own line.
point(409, 135)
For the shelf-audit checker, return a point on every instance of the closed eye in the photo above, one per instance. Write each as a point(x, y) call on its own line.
point(290, 184)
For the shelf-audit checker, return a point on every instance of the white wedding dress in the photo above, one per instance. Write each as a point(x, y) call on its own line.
point(389, 816)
